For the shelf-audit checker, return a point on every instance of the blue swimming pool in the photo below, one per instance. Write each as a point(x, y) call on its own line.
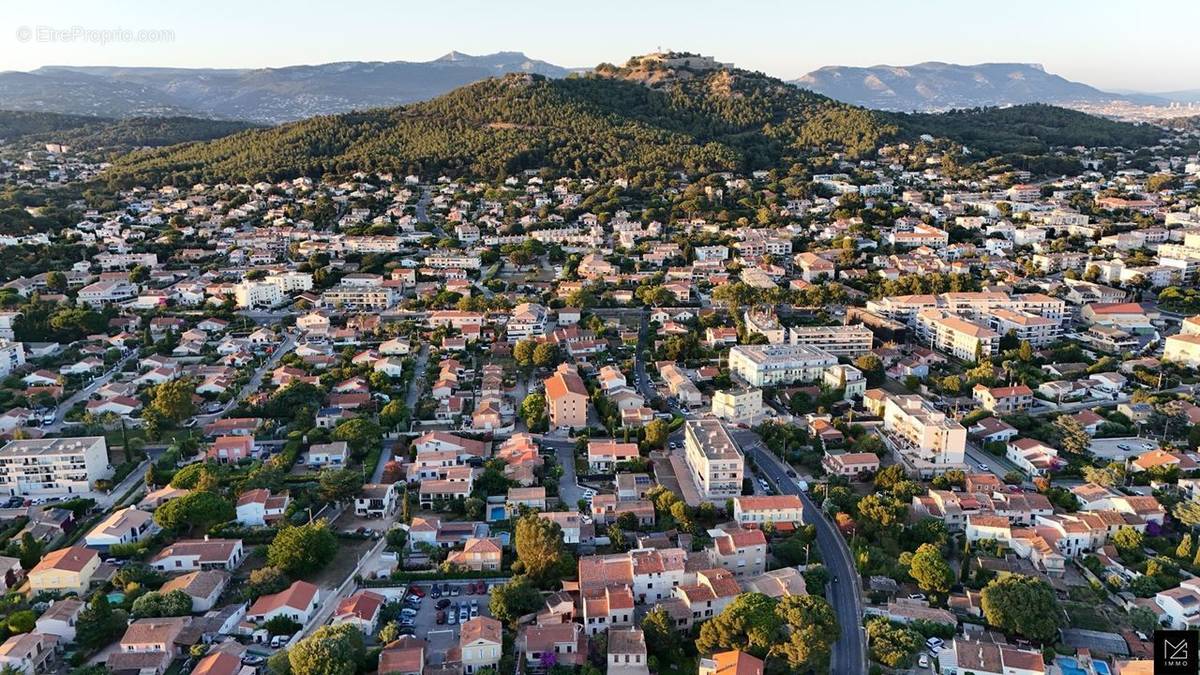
point(496, 513)
point(1070, 666)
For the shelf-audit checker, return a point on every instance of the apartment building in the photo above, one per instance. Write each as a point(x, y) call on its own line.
point(771, 365)
point(972, 305)
point(105, 291)
point(527, 320)
point(925, 439)
point(956, 336)
point(1038, 331)
point(567, 398)
point(291, 281)
point(359, 297)
point(250, 294)
point(715, 461)
point(849, 341)
point(52, 465)
point(738, 406)
point(12, 356)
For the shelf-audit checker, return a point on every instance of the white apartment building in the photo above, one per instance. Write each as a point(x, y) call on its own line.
point(714, 459)
point(956, 336)
point(972, 305)
point(527, 320)
point(770, 365)
point(443, 262)
point(122, 261)
point(849, 341)
point(1038, 331)
point(12, 356)
point(359, 297)
point(926, 440)
point(250, 294)
point(291, 281)
point(52, 465)
point(101, 292)
point(738, 406)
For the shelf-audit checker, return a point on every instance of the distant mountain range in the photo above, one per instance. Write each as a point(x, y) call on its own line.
point(276, 95)
point(266, 95)
point(935, 86)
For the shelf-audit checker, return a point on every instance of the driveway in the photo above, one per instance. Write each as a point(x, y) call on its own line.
point(569, 490)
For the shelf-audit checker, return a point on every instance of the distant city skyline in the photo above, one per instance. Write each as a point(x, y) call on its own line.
point(1106, 44)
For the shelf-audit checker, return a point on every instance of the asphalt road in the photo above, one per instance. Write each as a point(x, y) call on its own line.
point(86, 393)
point(850, 651)
point(289, 342)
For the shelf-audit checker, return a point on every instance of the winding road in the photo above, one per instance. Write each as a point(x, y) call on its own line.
point(845, 595)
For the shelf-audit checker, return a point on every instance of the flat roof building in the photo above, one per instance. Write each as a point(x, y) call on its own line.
point(52, 465)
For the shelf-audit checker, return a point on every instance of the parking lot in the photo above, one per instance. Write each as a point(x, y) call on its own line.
point(1121, 448)
point(434, 619)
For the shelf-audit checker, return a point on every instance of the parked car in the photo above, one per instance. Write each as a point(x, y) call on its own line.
point(414, 589)
point(442, 604)
point(455, 591)
point(435, 592)
point(441, 618)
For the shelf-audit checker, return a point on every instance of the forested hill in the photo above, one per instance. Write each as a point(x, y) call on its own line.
point(89, 133)
point(1028, 129)
point(618, 121)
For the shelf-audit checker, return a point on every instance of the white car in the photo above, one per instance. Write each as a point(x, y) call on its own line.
point(934, 644)
point(984, 467)
point(923, 661)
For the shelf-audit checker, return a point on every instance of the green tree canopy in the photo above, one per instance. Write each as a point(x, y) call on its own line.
point(930, 570)
point(1022, 605)
point(330, 650)
point(302, 549)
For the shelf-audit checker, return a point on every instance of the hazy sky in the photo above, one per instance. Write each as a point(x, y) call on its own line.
point(1150, 45)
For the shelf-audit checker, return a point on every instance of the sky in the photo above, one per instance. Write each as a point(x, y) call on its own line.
point(1148, 45)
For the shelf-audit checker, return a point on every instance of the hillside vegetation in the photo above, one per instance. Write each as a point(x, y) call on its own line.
point(91, 133)
point(618, 121)
point(1028, 129)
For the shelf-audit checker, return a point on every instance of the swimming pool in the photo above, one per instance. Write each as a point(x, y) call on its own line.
point(496, 513)
point(1070, 666)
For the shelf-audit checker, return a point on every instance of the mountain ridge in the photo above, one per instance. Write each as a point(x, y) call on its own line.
point(261, 95)
point(933, 86)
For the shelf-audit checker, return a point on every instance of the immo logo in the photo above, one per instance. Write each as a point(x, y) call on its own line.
point(1175, 652)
